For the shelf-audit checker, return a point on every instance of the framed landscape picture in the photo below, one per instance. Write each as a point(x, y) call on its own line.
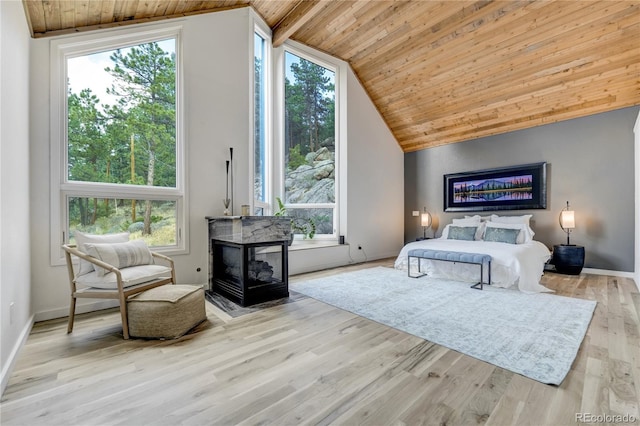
point(508, 188)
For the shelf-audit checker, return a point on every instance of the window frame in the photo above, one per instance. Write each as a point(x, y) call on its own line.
point(264, 32)
point(61, 188)
point(339, 69)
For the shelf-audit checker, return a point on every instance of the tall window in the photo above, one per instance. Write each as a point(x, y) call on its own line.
point(310, 143)
point(260, 125)
point(120, 147)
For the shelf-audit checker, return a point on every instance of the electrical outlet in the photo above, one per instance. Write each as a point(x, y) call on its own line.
point(416, 213)
point(11, 314)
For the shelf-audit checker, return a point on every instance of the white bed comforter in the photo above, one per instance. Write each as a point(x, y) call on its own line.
point(512, 264)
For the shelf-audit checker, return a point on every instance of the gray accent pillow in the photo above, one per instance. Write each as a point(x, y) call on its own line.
point(501, 235)
point(466, 233)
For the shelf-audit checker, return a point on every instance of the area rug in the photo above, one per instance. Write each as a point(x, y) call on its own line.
point(535, 335)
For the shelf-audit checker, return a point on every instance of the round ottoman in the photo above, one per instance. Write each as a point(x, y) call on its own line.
point(166, 312)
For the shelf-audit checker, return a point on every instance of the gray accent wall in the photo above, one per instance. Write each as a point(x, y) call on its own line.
point(590, 163)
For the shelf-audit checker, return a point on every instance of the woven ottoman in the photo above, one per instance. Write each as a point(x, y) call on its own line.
point(166, 312)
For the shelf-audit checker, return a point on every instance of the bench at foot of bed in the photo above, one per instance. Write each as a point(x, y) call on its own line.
point(452, 256)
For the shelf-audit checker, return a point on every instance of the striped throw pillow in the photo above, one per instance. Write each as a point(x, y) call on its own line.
point(81, 238)
point(120, 255)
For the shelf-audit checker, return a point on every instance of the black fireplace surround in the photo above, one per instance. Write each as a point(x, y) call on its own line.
point(249, 258)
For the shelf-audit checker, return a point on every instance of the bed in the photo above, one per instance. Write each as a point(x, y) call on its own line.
point(518, 263)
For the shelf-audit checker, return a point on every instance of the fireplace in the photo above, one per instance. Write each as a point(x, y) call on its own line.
point(249, 258)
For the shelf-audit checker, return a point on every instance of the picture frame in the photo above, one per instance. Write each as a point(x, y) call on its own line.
point(519, 187)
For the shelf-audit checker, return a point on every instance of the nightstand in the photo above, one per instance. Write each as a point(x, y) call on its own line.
point(568, 259)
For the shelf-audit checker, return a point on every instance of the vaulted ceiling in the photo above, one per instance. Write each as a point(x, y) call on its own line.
point(439, 72)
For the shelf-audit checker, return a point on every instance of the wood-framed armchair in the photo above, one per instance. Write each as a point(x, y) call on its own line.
point(114, 283)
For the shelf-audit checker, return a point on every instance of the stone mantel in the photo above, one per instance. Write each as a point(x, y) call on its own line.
point(249, 229)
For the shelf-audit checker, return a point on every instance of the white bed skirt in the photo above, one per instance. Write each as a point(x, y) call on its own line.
point(512, 265)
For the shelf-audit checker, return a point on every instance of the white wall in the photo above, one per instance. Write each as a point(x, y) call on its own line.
point(217, 65)
point(376, 180)
point(15, 280)
point(636, 130)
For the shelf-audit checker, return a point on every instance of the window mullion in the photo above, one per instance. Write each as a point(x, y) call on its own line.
point(310, 205)
point(106, 190)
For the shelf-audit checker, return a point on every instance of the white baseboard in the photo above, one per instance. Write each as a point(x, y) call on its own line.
point(595, 271)
point(621, 274)
point(315, 267)
point(80, 309)
point(338, 262)
point(7, 369)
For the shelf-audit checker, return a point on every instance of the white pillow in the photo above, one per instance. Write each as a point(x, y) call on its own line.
point(516, 219)
point(479, 230)
point(482, 218)
point(82, 239)
point(524, 236)
point(468, 220)
point(511, 219)
point(120, 255)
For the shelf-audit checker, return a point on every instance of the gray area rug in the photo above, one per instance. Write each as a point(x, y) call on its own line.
point(535, 335)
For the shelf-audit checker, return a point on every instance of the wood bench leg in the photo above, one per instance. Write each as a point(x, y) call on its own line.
point(482, 277)
point(420, 274)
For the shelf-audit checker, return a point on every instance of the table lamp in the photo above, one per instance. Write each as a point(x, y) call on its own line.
point(425, 222)
point(567, 221)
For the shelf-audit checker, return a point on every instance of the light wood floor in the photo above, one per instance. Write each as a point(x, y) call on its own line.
point(310, 363)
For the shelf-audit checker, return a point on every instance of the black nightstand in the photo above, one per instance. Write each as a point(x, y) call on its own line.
point(568, 259)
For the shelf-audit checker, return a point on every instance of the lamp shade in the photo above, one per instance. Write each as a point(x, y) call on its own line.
point(567, 219)
point(425, 219)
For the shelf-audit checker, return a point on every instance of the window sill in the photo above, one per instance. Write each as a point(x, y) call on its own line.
point(307, 245)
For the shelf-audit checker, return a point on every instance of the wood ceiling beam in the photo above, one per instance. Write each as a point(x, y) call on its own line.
point(299, 15)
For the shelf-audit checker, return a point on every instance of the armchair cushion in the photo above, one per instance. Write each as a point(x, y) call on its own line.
point(130, 276)
point(85, 267)
point(120, 255)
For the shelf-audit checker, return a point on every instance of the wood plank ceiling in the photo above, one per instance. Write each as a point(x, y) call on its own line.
point(439, 72)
